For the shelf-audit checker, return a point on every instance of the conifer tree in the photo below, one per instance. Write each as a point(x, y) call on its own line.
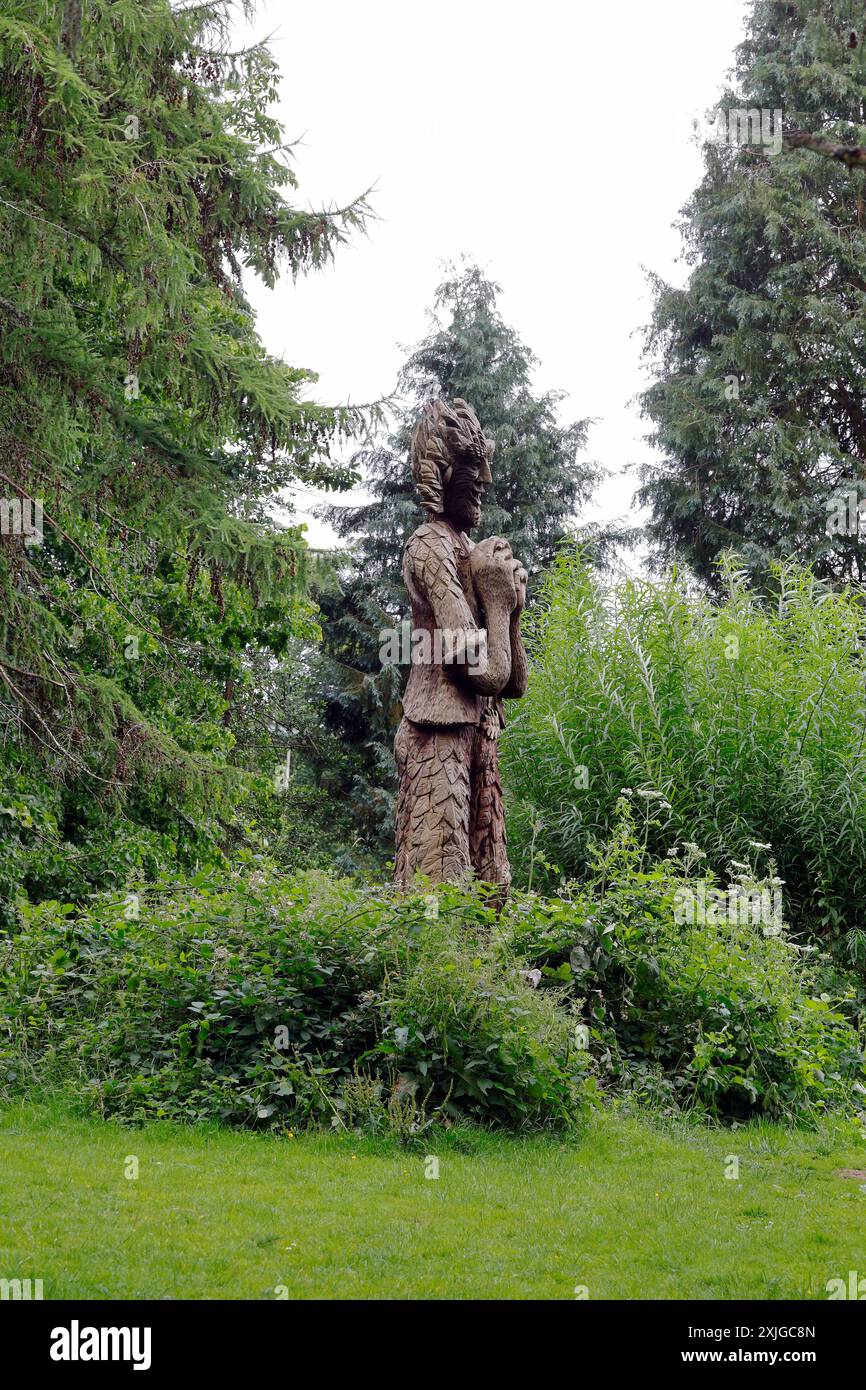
point(144, 430)
point(757, 405)
point(540, 479)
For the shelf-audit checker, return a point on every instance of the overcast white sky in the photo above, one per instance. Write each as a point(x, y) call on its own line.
point(552, 142)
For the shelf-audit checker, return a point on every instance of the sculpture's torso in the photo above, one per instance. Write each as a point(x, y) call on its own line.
point(437, 559)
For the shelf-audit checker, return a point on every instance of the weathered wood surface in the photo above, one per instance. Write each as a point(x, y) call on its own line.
point(468, 599)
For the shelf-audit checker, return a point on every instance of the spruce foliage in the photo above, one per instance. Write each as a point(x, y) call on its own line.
point(140, 174)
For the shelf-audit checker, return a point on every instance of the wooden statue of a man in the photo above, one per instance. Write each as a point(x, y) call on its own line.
point(467, 656)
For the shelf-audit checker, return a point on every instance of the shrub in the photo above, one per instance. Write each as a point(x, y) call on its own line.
point(747, 718)
point(266, 1001)
point(728, 1015)
point(257, 1000)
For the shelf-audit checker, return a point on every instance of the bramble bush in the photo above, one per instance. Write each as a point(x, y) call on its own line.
point(265, 1001)
point(746, 717)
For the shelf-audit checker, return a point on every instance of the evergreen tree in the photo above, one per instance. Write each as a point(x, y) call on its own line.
point(540, 481)
point(140, 173)
point(539, 478)
point(761, 369)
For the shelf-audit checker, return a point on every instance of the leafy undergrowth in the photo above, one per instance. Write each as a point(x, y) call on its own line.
point(695, 996)
point(629, 1209)
point(264, 1001)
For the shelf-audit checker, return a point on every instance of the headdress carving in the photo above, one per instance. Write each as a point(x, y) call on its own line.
point(444, 435)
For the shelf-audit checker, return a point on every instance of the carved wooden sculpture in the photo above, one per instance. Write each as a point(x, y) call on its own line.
point(466, 606)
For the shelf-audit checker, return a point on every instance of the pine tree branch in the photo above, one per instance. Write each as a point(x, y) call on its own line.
point(55, 745)
point(94, 568)
point(852, 156)
point(57, 227)
point(239, 52)
point(31, 675)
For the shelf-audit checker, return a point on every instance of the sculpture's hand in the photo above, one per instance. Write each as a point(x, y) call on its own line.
point(494, 570)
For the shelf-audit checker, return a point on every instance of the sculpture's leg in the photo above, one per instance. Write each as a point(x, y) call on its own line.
point(487, 841)
point(433, 801)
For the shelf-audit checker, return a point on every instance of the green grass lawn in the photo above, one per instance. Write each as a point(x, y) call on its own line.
point(629, 1209)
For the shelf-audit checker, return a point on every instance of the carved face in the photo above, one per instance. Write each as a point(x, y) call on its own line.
point(463, 489)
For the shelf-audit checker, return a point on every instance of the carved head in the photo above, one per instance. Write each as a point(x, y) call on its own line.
point(451, 462)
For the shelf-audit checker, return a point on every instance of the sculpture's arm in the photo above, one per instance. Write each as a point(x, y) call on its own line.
point(500, 582)
point(430, 567)
point(519, 678)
